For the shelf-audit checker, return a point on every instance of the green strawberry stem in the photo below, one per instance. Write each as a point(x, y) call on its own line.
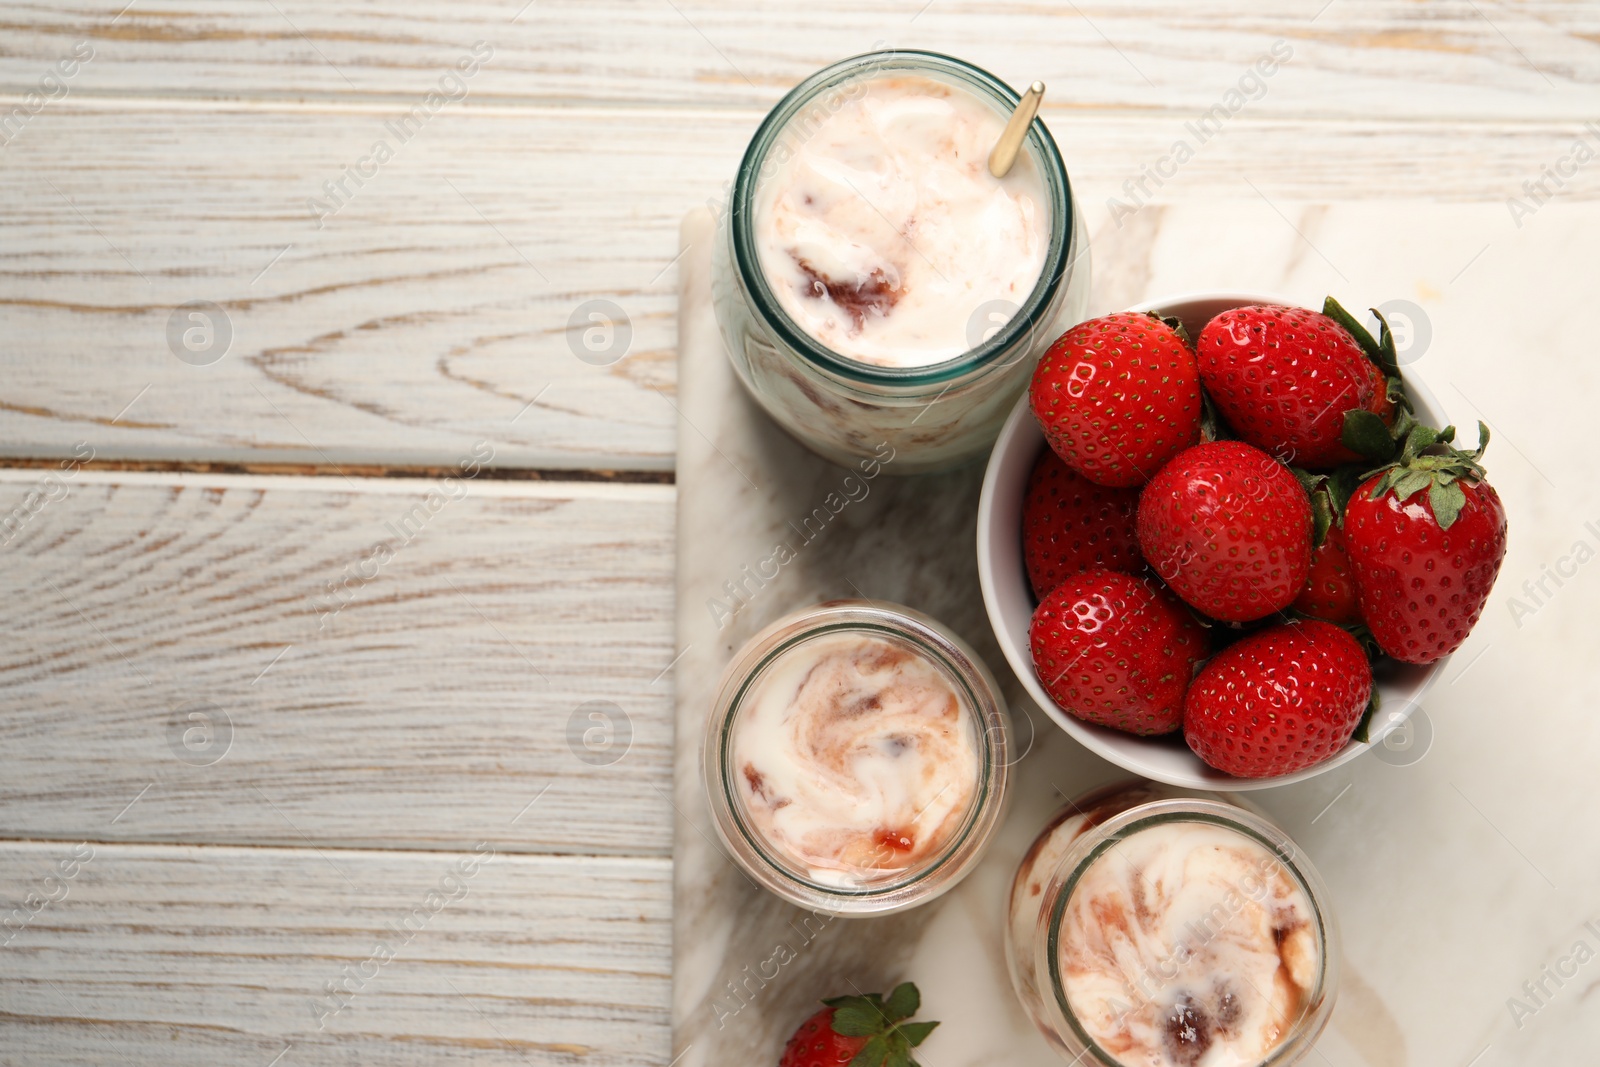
point(1329, 493)
point(1429, 461)
point(1364, 432)
point(889, 1039)
point(1382, 351)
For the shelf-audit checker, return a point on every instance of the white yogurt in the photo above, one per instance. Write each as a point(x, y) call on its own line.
point(882, 232)
point(856, 759)
point(1187, 944)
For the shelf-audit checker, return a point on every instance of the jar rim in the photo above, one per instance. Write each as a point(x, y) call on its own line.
point(1085, 853)
point(979, 693)
point(1031, 315)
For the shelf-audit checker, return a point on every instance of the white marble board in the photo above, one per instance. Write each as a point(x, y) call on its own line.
point(1460, 866)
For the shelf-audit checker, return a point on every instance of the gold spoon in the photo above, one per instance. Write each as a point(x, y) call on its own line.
point(1004, 156)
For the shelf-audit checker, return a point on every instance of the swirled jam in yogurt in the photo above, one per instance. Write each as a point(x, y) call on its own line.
point(1187, 943)
point(881, 231)
point(856, 757)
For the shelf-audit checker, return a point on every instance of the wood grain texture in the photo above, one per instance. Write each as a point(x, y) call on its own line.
point(428, 314)
point(411, 325)
point(1355, 58)
point(427, 712)
point(199, 956)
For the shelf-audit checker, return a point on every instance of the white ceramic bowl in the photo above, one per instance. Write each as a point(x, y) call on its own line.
point(1010, 602)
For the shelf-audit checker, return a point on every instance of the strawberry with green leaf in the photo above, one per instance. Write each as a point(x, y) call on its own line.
point(1330, 591)
point(1289, 380)
point(860, 1031)
point(1426, 536)
point(1375, 434)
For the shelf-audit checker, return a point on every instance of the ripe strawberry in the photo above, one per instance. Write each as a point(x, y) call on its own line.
point(1279, 700)
point(1070, 524)
point(1424, 562)
point(866, 1026)
point(1116, 651)
point(1330, 591)
point(1229, 529)
point(1283, 378)
point(1117, 397)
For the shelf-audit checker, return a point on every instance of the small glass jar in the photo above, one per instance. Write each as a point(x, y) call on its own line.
point(930, 417)
point(1096, 830)
point(845, 748)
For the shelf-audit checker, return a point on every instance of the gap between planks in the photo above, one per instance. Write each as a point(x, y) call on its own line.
point(52, 846)
point(350, 470)
point(533, 107)
point(344, 478)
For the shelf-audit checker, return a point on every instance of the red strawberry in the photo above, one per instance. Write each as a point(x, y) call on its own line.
point(1116, 651)
point(862, 1025)
point(1283, 378)
point(1425, 561)
point(1117, 397)
point(1330, 591)
point(1229, 529)
point(1279, 700)
point(1070, 524)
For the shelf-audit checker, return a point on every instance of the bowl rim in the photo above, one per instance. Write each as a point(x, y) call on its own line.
point(1104, 742)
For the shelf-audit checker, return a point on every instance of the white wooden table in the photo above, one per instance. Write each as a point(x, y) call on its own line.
point(315, 750)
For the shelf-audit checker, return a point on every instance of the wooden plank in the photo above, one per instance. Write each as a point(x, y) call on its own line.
point(1354, 58)
point(431, 311)
point(184, 955)
point(411, 326)
point(374, 664)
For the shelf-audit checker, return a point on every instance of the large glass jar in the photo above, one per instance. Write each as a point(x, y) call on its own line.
point(1150, 926)
point(929, 417)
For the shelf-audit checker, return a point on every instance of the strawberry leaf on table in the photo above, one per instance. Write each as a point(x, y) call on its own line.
point(903, 1002)
point(861, 1019)
point(873, 1053)
point(869, 1029)
point(917, 1033)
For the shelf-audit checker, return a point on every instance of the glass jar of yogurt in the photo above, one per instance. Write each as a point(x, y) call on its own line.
point(875, 284)
point(1150, 927)
point(856, 758)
